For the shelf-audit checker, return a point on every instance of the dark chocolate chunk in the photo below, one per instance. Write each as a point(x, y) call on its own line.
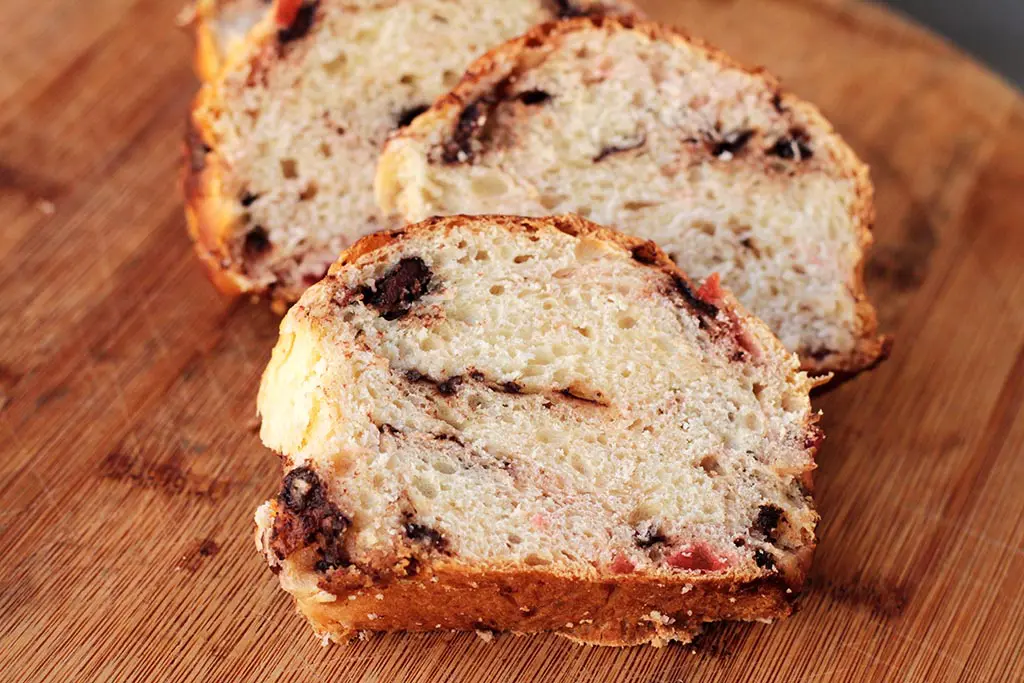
point(793, 146)
point(732, 143)
point(459, 149)
point(777, 103)
point(646, 535)
point(257, 242)
point(512, 388)
point(308, 518)
point(301, 490)
point(767, 520)
point(535, 96)
point(422, 533)
point(301, 24)
point(406, 116)
point(646, 253)
point(414, 375)
point(763, 560)
point(565, 9)
point(394, 293)
point(612, 149)
point(450, 386)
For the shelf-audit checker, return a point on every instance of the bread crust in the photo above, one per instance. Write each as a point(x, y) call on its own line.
point(496, 65)
point(211, 52)
point(588, 605)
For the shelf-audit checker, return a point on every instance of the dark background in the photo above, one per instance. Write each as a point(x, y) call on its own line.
point(991, 30)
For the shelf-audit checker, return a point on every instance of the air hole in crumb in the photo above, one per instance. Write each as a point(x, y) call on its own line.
point(790, 403)
point(704, 227)
point(547, 305)
point(626, 322)
point(514, 539)
point(709, 464)
point(334, 67)
point(534, 560)
point(562, 273)
point(758, 390)
point(585, 331)
point(309, 192)
point(577, 463)
point(751, 421)
point(626, 373)
point(407, 79)
point(348, 317)
point(257, 242)
point(449, 77)
point(476, 402)
point(325, 150)
point(522, 258)
point(461, 245)
point(497, 289)
point(482, 255)
point(489, 185)
point(425, 486)
point(550, 201)
point(289, 169)
point(445, 466)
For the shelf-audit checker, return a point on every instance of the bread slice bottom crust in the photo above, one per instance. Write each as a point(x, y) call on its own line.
point(613, 611)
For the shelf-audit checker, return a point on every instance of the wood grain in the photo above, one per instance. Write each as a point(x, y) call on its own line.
point(129, 474)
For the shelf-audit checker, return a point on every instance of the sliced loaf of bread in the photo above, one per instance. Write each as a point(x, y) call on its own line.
point(636, 126)
point(533, 425)
point(284, 140)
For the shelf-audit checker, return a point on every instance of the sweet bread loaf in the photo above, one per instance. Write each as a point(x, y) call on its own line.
point(533, 425)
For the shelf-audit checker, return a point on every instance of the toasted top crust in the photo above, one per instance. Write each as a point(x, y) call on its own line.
point(643, 128)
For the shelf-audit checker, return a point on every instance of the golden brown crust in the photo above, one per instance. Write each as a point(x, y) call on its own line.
point(506, 59)
point(423, 590)
point(208, 215)
point(624, 610)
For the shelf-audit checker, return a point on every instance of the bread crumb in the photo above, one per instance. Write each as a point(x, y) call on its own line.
point(433, 579)
point(689, 612)
point(371, 616)
point(484, 635)
point(46, 207)
point(659, 618)
point(363, 635)
point(437, 626)
point(732, 599)
point(351, 597)
point(325, 640)
point(379, 596)
point(687, 588)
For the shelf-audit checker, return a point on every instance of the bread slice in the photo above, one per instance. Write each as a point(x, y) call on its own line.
point(219, 27)
point(636, 126)
point(284, 141)
point(533, 425)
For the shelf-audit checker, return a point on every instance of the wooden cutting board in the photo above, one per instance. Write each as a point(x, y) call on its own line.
point(129, 469)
